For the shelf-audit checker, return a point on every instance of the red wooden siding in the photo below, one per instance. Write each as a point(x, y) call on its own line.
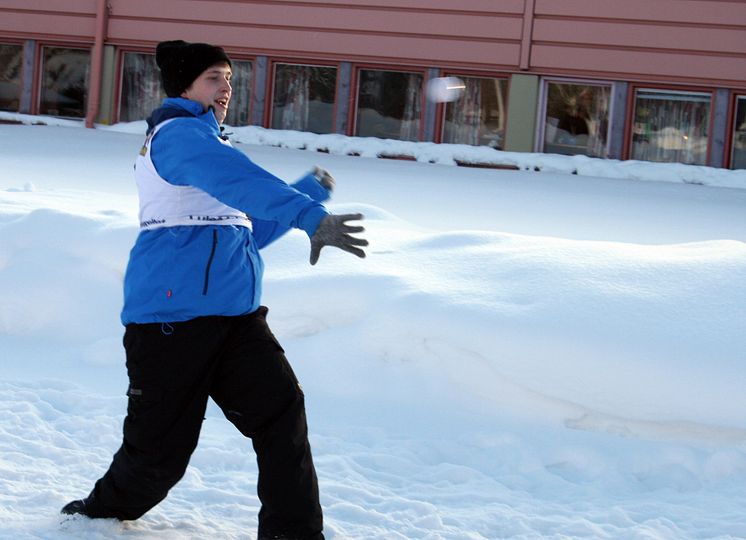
point(700, 42)
point(410, 32)
point(64, 20)
point(694, 41)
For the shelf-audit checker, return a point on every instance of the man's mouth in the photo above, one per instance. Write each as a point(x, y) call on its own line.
point(223, 102)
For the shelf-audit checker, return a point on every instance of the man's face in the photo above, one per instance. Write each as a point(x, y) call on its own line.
point(212, 89)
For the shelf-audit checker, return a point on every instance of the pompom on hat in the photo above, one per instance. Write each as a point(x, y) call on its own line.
point(181, 62)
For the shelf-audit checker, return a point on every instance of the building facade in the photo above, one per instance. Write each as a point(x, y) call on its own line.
point(656, 80)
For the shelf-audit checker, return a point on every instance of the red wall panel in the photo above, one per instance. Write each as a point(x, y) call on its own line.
point(411, 31)
point(695, 41)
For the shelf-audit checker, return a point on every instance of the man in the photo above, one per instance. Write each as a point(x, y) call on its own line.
point(194, 324)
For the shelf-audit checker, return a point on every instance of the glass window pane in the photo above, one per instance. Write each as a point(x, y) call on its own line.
point(738, 161)
point(389, 105)
point(304, 98)
point(577, 119)
point(141, 87)
point(671, 126)
point(478, 117)
point(11, 59)
point(64, 85)
point(238, 111)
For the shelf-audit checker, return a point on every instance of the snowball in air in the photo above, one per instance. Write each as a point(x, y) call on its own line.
point(444, 89)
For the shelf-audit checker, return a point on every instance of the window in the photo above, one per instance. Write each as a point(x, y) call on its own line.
point(304, 98)
point(238, 111)
point(141, 87)
point(11, 59)
point(478, 117)
point(576, 119)
point(738, 156)
point(671, 126)
point(389, 105)
point(64, 85)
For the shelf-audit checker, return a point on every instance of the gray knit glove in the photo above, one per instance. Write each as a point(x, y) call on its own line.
point(333, 231)
point(325, 179)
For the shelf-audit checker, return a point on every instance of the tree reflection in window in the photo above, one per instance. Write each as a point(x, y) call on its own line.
point(64, 82)
point(303, 98)
point(577, 119)
point(11, 57)
point(238, 111)
point(389, 105)
point(141, 87)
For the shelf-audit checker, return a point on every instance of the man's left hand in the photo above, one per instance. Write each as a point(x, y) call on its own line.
point(325, 179)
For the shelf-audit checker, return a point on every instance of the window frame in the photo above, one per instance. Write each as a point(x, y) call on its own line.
point(355, 93)
point(730, 138)
point(238, 57)
point(119, 78)
point(38, 78)
point(440, 108)
point(541, 115)
point(671, 88)
point(310, 62)
point(22, 73)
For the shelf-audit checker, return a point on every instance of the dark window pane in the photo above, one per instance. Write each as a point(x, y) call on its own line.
point(304, 98)
point(739, 135)
point(389, 105)
point(577, 119)
point(141, 87)
point(11, 57)
point(64, 82)
point(671, 126)
point(478, 117)
point(238, 111)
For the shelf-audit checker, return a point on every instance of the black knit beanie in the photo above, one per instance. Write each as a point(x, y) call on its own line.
point(181, 62)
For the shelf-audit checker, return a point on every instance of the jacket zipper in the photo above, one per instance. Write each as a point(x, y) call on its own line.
point(209, 261)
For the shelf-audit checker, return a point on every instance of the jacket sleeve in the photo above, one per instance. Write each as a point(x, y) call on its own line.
point(266, 232)
point(187, 151)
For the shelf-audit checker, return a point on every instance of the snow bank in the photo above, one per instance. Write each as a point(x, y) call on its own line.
point(447, 154)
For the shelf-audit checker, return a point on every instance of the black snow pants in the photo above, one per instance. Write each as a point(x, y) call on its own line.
point(173, 369)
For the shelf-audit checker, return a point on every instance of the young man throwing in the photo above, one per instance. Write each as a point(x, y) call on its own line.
point(195, 327)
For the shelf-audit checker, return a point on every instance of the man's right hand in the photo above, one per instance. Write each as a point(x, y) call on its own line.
point(333, 231)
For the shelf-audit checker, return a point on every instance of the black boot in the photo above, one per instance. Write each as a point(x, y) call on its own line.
point(85, 507)
point(75, 507)
point(318, 536)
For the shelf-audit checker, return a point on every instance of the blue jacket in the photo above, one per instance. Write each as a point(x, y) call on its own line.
point(179, 273)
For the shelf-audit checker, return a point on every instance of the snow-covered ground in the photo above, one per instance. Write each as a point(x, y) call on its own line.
point(521, 355)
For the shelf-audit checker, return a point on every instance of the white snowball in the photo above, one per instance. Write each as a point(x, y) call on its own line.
point(444, 89)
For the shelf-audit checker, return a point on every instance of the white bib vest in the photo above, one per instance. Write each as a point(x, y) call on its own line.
point(163, 204)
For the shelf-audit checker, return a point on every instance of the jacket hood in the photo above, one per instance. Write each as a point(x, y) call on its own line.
point(177, 108)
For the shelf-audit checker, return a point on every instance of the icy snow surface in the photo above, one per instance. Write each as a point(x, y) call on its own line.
point(521, 355)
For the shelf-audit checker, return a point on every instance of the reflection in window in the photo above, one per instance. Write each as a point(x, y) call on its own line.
point(577, 119)
point(238, 110)
point(10, 76)
point(478, 117)
point(64, 85)
point(738, 161)
point(141, 87)
point(671, 126)
point(304, 98)
point(389, 105)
